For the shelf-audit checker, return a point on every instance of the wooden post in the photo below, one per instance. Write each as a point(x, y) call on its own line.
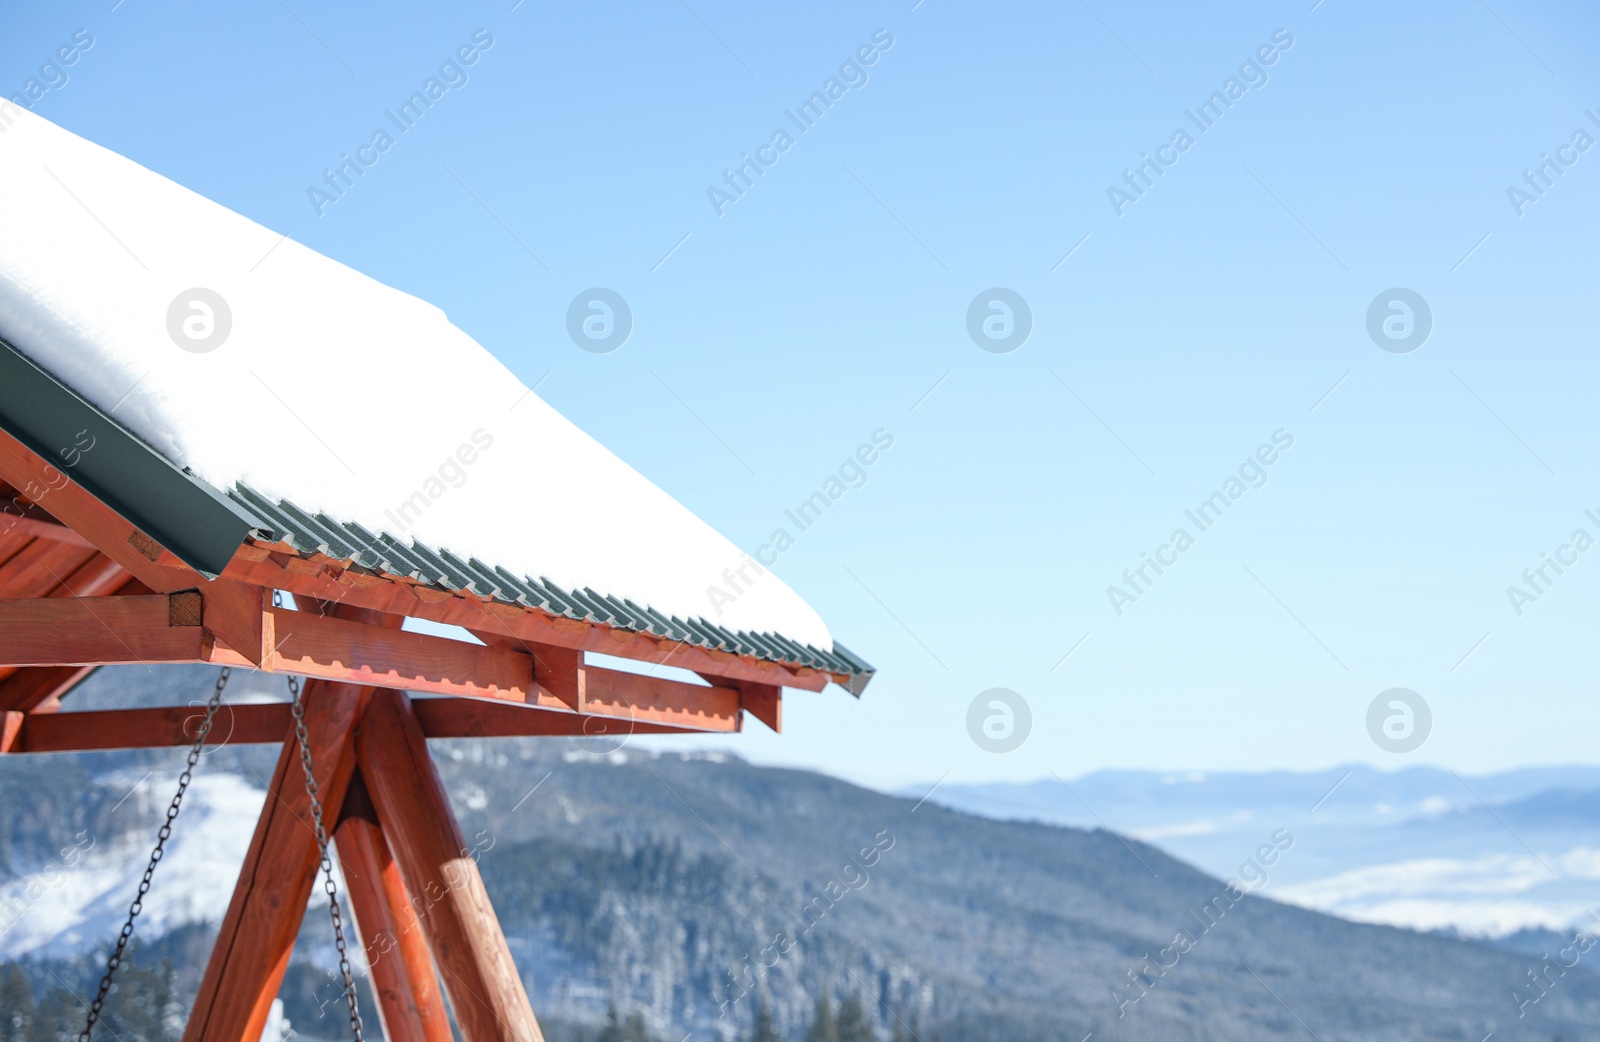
point(258, 932)
point(396, 951)
point(439, 870)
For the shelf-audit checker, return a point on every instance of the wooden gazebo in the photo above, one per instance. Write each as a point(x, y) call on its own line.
point(111, 552)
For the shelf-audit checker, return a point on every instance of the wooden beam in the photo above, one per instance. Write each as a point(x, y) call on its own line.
point(90, 631)
point(41, 689)
point(327, 579)
point(340, 649)
point(262, 722)
point(403, 977)
point(93, 631)
point(151, 728)
point(258, 932)
point(40, 568)
point(762, 701)
point(629, 696)
point(564, 674)
point(98, 577)
point(485, 990)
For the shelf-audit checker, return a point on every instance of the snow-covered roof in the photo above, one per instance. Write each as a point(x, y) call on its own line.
point(100, 259)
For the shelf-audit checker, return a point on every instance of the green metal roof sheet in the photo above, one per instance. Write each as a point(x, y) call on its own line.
point(284, 522)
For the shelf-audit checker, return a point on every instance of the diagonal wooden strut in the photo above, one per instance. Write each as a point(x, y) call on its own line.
point(440, 872)
point(258, 932)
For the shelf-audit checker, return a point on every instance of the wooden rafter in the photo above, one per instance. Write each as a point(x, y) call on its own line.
point(39, 690)
point(19, 517)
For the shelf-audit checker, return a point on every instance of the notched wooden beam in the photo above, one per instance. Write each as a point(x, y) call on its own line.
point(329, 580)
point(629, 696)
point(376, 656)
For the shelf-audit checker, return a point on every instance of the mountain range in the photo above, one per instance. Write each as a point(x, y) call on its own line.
point(688, 888)
point(1425, 848)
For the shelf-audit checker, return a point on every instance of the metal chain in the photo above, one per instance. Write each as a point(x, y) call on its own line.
point(115, 962)
point(298, 708)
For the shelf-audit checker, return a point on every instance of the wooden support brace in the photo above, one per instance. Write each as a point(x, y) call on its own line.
point(239, 615)
point(40, 689)
point(10, 730)
point(764, 702)
point(563, 677)
point(485, 990)
point(562, 672)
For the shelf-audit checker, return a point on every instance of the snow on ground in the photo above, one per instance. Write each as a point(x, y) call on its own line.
point(1413, 848)
point(375, 401)
point(1487, 896)
point(80, 907)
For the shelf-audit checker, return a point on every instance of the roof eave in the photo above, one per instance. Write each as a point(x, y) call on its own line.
point(198, 524)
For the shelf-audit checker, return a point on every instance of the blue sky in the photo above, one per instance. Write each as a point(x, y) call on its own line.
point(1171, 335)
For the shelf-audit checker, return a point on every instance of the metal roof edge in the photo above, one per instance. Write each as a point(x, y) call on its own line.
point(304, 531)
point(861, 671)
point(196, 522)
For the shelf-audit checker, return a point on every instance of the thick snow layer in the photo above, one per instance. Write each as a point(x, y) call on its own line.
point(330, 390)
